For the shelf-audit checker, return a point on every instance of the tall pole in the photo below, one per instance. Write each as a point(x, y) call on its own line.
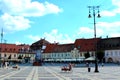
point(1, 45)
point(94, 8)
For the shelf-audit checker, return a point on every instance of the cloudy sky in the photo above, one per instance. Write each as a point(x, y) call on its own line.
point(63, 21)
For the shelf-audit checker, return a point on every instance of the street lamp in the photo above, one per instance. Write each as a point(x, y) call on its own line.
point(1, 46)
point(94, 8)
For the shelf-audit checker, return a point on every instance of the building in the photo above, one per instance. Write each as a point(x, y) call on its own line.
point(38, 47)
point(58, 52)
point(13, 52)
point(70, 52)
point(76, 51)
point(111, 48)
point(87, 46)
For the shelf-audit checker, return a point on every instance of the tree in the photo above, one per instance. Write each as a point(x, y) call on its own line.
point(19, 57)
point(100, 55)
point(9, 57)
point(87, 55)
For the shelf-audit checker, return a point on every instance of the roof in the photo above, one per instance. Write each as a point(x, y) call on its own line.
point(80, 44)
point(58, 48)
point(13, 48)
point(86, 44)
point(109, 43)
point(39, 44)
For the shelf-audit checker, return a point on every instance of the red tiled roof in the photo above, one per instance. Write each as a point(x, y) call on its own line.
point(12, 48)
point(86, 44)
point(57, 48)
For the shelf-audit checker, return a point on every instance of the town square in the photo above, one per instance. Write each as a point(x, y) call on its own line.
point(59, 40)
point(53, 72)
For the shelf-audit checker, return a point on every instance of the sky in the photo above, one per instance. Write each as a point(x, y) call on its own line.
point(61, 21)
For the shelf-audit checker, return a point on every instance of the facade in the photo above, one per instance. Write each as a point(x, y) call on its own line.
point(76, 51)
point(13, 52)
point(38, 47)
point(58, 52)
point(70, 52)
point(111, 48)
point(87, 46)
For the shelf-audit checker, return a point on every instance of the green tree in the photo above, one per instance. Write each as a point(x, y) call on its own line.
point(100, 55)
point(19, 57)
point(9, 57)
point(87, 55)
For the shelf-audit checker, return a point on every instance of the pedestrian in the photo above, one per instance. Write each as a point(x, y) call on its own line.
point(6, 64)
point(102, 64)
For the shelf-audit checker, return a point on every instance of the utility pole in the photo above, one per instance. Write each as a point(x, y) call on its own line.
point(94, 8)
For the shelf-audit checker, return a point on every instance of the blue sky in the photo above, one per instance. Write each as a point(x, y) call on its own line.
point(63, 21)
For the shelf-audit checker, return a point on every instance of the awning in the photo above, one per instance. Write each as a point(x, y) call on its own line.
point(90, 59)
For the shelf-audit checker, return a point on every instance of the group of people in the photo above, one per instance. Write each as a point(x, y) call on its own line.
point(6, 64)
point(67, 68)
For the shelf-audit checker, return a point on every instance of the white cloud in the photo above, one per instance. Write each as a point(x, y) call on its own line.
point(107, 13)
point(116, 2)
point(88, 32)
point(18, 43)
point(109, 28)
point(103, 29)
point(14, 23)
point(114, 11)
point(15, 13)
point(28, 8)
point(115, 34)
point(34, 38)
point(109, 25)
point(54, 36)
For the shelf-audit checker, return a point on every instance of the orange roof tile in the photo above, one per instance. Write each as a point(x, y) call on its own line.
point(57, 48)
point(12, 48)
point(86, 44)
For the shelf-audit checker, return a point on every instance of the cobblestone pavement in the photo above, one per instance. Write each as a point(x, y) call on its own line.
point(55, 73)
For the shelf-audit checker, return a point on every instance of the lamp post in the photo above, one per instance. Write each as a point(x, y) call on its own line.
point(94, 8)
point(1, 46)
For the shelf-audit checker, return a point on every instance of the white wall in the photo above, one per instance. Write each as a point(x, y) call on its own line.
point(114, 54)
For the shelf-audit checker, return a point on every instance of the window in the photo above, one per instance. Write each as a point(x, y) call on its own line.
point(107, 53)
point(111, 53)
point(5, 55)
point(14, 55)
point(116, 53)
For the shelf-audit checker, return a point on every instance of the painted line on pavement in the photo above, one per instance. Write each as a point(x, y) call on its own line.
point(8, 75)
point(59, 76)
